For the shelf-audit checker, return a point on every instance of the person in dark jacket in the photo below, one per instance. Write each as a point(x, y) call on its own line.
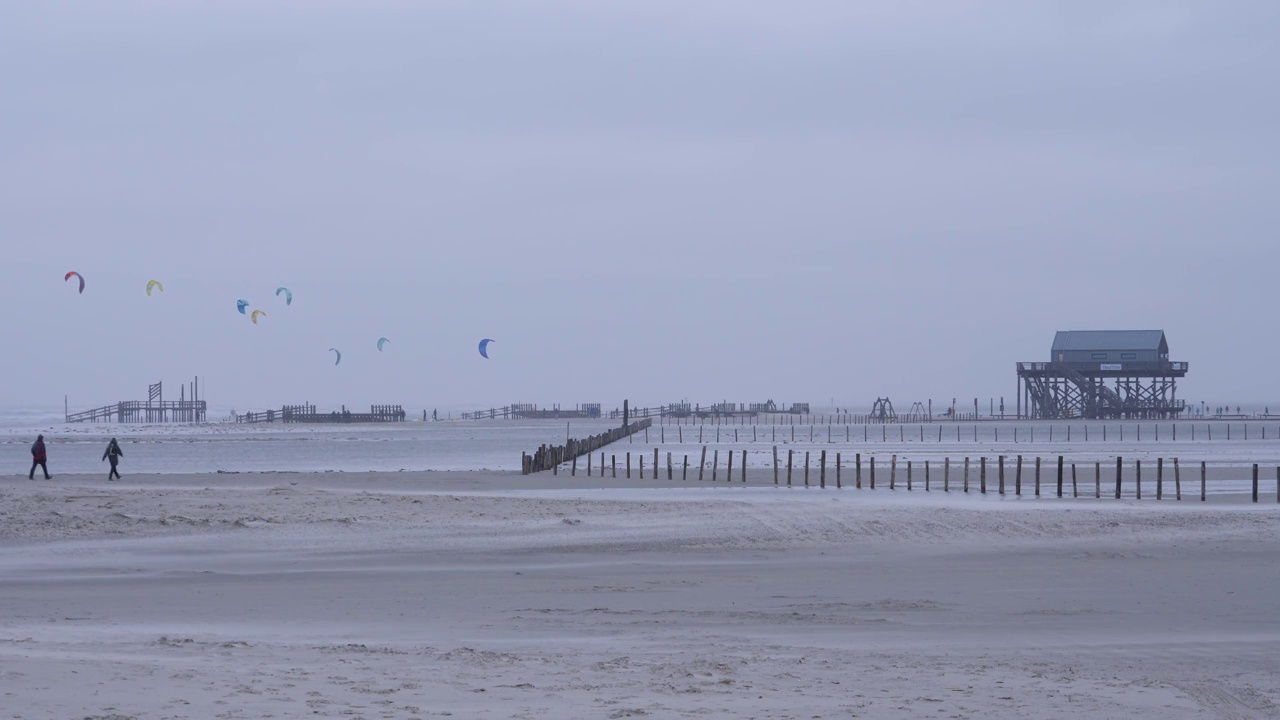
point(113, 453)
point(39, 458)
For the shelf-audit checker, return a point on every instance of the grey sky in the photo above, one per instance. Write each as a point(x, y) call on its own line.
point(639, 198)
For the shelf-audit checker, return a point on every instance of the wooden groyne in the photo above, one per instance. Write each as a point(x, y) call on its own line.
point(549, 457)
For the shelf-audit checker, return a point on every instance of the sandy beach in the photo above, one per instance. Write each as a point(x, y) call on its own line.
point(403, 595)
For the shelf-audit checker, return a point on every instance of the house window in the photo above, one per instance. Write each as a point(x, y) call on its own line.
point(1099, 356)
point(1128, 356)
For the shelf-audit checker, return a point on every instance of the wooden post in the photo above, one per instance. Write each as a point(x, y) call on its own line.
point(702, 464)
point(743, 471)
point(775, 464)
point(1159, 478)
point(1059, 476)
point(1097, 480)
point(893, 471)
point(613, 462)
point(655, 463)
point(1203, 476)
point(822, 474)
point(908, 476)
point(982, 474)
point(790, 457)
point(684, 474)
point(715, 463)
point(729, 473)
point(857, 471)
point(1278, 484)
point(1177, 479)
point(573, 472)
point(1001, 471)
point(628, 465)
point(1037, 476)
point(1137, 479)
point(806, 467)
point(873, 472)
point(946, 474)
point(1255, 480)
point(838, 472)
point(966, 473)
point(641, 457)
point(1017, 478)
point(1119, 475)
point(1075, 489)
point(671, 471)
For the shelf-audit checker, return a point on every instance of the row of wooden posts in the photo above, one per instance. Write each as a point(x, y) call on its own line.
point(1061, 476)
point(550, 457)
point(1028, 434)
point(1117, 426)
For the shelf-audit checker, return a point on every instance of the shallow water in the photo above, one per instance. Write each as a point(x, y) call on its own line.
point(498, 444)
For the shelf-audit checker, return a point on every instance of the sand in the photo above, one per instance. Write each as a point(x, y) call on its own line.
point(407, 595)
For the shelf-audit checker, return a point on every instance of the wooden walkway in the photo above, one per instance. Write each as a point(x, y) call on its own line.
point(155, 409)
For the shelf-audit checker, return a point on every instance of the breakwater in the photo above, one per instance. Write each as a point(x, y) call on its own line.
point(549, 457)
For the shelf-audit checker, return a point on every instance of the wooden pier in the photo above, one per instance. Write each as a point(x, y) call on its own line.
point(307, 413)
point(526, 411)
point(155, 409)
point(716, 410)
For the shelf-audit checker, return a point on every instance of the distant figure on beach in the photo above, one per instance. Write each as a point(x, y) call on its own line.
point(435, 415)
point(39, 458)
point(113, 453)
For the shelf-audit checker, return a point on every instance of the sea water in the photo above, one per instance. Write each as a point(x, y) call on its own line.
point(228, 447)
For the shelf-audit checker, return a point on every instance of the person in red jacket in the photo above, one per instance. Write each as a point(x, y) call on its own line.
point(39, 458)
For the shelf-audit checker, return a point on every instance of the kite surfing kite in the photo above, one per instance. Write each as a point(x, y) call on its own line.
point(254, 316)
point(338, 359)
point(241, 305)
point(381, 342)
point(288, 295)
point(484, 348)
point(154, 285)
point(68, 277)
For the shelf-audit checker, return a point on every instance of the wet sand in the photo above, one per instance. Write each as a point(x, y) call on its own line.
point(493, 595)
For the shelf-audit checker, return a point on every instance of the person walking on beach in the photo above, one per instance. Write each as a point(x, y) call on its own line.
point(39, 458)
point(113, 453)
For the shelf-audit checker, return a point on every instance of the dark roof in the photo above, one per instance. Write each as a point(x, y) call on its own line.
point(1110, 340)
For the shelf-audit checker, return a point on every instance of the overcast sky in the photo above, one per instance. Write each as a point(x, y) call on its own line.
point(654, 199)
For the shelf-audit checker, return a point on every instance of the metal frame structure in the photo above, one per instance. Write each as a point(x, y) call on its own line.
point(882, 411)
